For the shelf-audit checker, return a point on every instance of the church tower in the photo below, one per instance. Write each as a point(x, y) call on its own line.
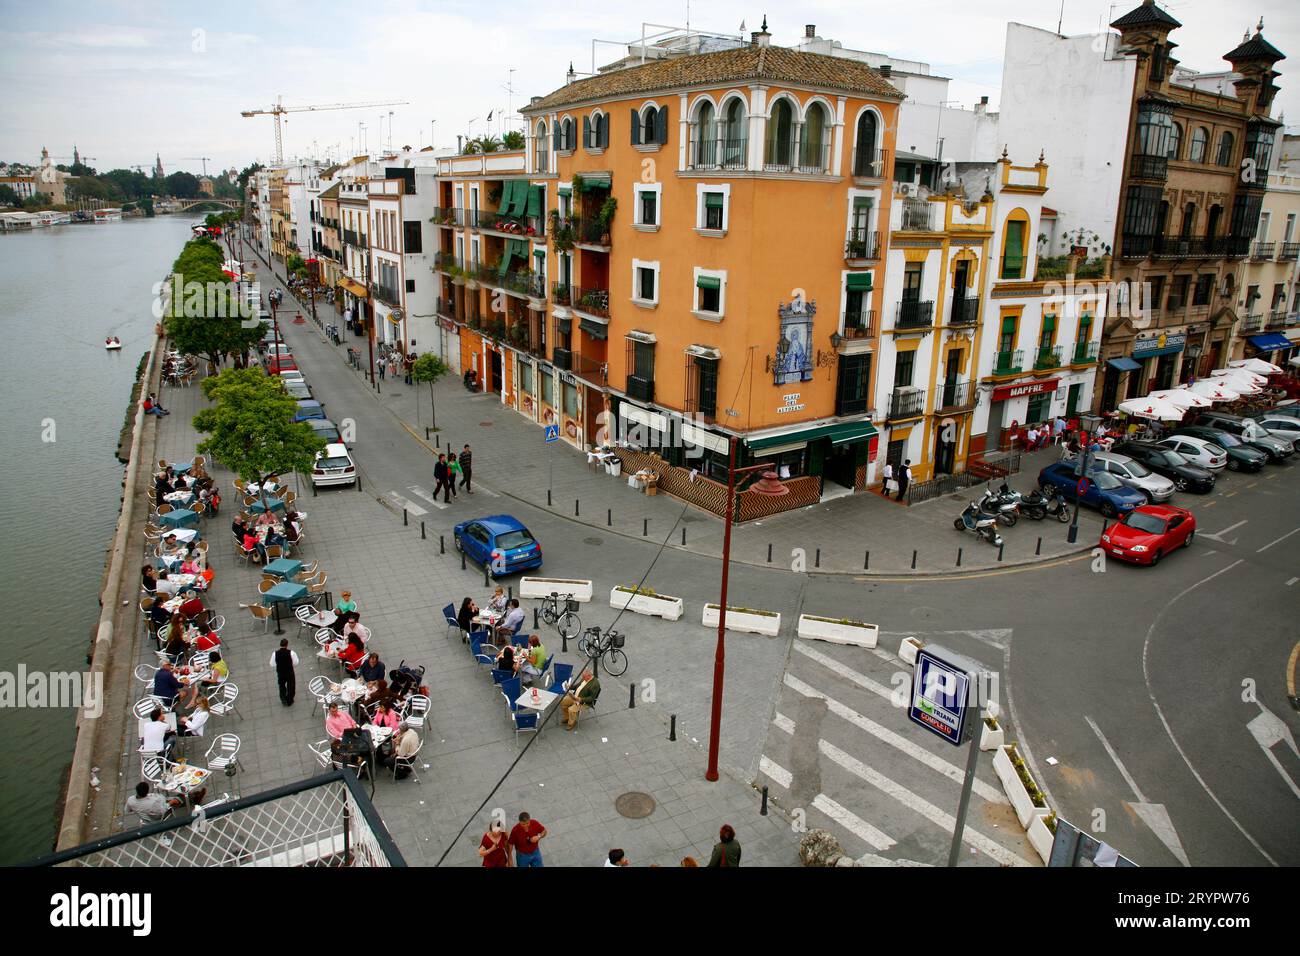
point(157, 167)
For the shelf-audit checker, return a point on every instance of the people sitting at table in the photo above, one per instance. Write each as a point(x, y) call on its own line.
point(149, 579)
point(385, 716)
point(211, 498)
point(354, 626)
point(165, 586)
point(239, 529)
point(532, 664)
point(152, 807)
point(337, 721)
point(215, 676)
point(292, 527)
point(192, 726)
point(194, 612)
point(582, 695)
point(161, 488)
point(170, 542)
point(372, 669)
point(355, 762)
point(155, 736)
point(378, 692)
point(353, 653)
point(342, 608)
point(253, 547)
point(513, 621)
point(403, 744)
point(506, 658)
point(497, 603)
point(158, 614)
point(465, 616)
point(166, 685)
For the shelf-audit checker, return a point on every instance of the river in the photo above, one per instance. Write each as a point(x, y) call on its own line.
point(66, 288)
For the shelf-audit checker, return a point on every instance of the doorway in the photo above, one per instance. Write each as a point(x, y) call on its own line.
point(1165, 371)
point(945, 446)
point(1072, 400)
point(496, 383)
point(840, 468)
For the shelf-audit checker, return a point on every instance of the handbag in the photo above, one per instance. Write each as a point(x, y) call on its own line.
point(891, 484)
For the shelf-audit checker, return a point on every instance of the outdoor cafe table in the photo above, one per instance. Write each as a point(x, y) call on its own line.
point(184, 535)
point(285, 568)
point(180, 467)
point(543, 700)
point(259, 507)
point(282, 592)
point(182, 498)
point(184, 780)
point(253, 488)
point(180, 518)
point(169, 718)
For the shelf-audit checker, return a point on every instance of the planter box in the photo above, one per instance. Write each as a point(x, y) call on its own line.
point(1015, 790)
point(537, 588)
point(1041, 838)
point(767, 625)
point(819, 629)
point(992, 739)
point(660, 605)
point(907, 650)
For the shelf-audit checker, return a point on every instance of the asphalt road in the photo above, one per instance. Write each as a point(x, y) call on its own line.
point(1141, 684)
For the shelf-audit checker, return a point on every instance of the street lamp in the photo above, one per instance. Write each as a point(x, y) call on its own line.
point(1088, 425)
point(769, 485)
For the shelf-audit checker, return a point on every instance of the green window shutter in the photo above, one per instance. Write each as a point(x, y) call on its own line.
point(713, 200)
point(708, 282)
point(861, 203)
point(859, 282)
point(507, 196)
point(520, 198)
point(1015, 247)
point(1008, 324)
point(504, 265)
point(534, 207)
point(1049, 323)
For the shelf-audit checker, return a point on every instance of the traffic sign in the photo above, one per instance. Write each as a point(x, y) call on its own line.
point(941, 685)
point(552, 433)
point(1082, 489)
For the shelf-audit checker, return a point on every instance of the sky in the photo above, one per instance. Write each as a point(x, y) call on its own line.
point(128, 81)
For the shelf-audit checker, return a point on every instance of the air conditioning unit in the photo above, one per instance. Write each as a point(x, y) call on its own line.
point(910, 190)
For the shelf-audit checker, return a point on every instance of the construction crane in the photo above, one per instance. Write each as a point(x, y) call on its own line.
point(203, 158)
point(279, 109)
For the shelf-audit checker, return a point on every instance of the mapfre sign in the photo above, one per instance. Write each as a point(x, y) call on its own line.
point(1005, 392)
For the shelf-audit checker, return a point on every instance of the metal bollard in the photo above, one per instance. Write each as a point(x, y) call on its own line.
point(486, 579)
point(404, 519)
point(645, 527)
point(358, 483)
point(442, 544)
point(535, 624)
point(913, 560)
point(672, 727)
point(548, 497)
point(1000, 550)
point(817, 559)
point(683, 537)
point(762, 810)
point(564, 642)
point(313, 489)
point(609, 517)
point(631, 696)
point(959, 557)
point(769, 553)
point(1038, 548)
point(575, 507)
point(462, 560)
point(423, 536)
point(866, 562)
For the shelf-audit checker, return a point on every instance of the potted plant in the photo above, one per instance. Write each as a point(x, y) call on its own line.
point(494, 195)
point(539, 588)
point(745, 619)
point(644, 600)
point(1042, 834)
point(605, 217)
point(992, 736)
point(1021, 789)
point(841, 630)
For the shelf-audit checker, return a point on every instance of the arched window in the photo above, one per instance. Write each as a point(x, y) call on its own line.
point(540, 152)
point(866, 161)
point(648, 124)
point(568, 134)
point(815, 151)
point(1200, 142)
point(1226, 143)
point(1189, 220)
point(780, 135)
point(704, 135)
point(734, 135)
point(1175, 141)
point(1212, 218)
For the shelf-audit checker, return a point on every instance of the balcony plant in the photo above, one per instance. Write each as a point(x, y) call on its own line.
point(605, 217)
point(561, 232)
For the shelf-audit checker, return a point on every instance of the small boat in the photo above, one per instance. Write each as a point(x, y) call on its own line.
point(112, 343)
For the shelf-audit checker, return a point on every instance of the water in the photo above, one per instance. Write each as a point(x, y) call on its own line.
point(62, 290)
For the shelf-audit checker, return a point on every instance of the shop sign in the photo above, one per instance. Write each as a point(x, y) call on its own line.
point(790, 403)
point(1005, 392)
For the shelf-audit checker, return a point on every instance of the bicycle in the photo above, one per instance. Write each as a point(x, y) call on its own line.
point(604, 649)
point(563, 619)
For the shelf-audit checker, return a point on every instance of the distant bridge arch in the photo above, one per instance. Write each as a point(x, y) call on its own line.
point(189, 205)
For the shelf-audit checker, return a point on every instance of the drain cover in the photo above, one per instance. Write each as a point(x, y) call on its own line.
point(485, 424)
point(595, 542)
point(635, 805)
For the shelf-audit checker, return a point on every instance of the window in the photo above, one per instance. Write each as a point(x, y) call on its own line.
point(570, 392)
point(548, 386)
point(1007, 336)
point(1289, 234)
point(857, 302)
point(1154, 122)
point(595, 131)
point(704, 135)
point(646, 209)
point(780, 135)
point(1200, 141)
point(912, 281)
point(712, 212)
point(866, 161)
point(816, 146)
point(526, 377)
point(539, 148)
point(649, 127)
point(1047, 334)
point(1226, 142)
point(645, 282)
point(702, 386)
point(413, 243)
point(1085, 328)
point(708, 292)
point(904, 362)
point(713, 203)
point(1155, 293)
point(1178, 292)
point(1175, 141)
point(734, 134)
point(1189, 220)
point(410, 285)
point(1259, 149)
point(642, 359)
point(564, 136)
point(852, 387)
point(1013, 249)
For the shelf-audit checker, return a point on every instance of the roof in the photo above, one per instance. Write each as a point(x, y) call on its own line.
point(498, 523)
point(744, 64)
point(1147, 15)
point(331, 193)
point(1255, 48)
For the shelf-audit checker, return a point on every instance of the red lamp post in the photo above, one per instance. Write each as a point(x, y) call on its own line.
point(769, 485)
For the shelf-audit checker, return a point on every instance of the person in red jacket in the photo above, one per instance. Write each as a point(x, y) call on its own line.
point(353, 653)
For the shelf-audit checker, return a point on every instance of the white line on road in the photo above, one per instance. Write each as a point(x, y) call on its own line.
point(1218, 535)
point(416, 489)
point(1278, 541)
point(407, 504)
point(1292, 581)
point(1123, 771)
point(864, 831)
point(775, 771)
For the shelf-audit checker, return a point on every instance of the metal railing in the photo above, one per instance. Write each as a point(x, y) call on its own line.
point(448, 216)
point(510, 224)
point(717, 153)
point(591, 301)
point(562, 293)
point(906, 402)
point(914, 314)
point(1085, 353)
point(589, 230)
point(859, 323)
point(1003, 464)
point(953, 394)
point(917, 216)
point(591, 368)
point(1278, 319)
point(1047, 356)
point(965, 311)
point(385, 294)
point(862, 243)
point(641, 388)
point(1288, 250)
point(870, 163)
point(1149, 167)
point(1262, 250)
point(1009, 363)
point(1253, 323)
point(810, 159)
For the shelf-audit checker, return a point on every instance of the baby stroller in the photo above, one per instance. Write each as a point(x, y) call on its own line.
point(405, 680)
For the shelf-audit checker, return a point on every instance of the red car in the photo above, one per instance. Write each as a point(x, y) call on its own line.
point(1148, 533)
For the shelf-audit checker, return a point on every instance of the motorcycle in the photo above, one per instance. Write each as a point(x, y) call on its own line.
point(1039, 505)
point(1004, 505)
point(979, 523)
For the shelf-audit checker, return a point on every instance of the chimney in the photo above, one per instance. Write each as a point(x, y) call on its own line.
point(810, 31)
point(886, 70)
point(753, 40)
point(571, 75)
point(982, 106)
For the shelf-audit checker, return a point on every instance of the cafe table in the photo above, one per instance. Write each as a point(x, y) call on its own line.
point(253, 488)
point(180, 467)
point(259, 507)
point(183, 498)
point(169, 718)
point(183, 535)
point(284, 568)
point(539, 703)
point(282, 592)
point(184, 780)
point(180, 518)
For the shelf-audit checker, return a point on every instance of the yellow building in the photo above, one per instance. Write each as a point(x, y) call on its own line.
point(280, 216)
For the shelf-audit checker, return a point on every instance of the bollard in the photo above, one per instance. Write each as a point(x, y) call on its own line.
point(866, 562)
point(358, 483)
point(1038, 548)
point(423, 536)
point(548, 497)
point(510, 593)
point(683, 537)
point(535, 624)
point(442, 544)
point(913, 560)
point(313, 489)
point(672, 727)
point(609, 517)
point(1000, 550)
point(575, 507)
point(564, 642)
point(817, 559)
point(769, 552)
point(404, 520)
point(486, 579)
point(959, 557)
point(631, 696)
point(645, 527)
point(762, 810)
point(426, 432)
point(462, 560)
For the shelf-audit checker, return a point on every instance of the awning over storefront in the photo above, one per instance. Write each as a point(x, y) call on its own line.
point(838, 432)
point(356, 288)
point(1270, 341)
point(1124, 364)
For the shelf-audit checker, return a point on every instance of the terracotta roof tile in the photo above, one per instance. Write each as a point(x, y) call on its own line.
point(1144, 16)
point(1256, 48)
point(773, 64)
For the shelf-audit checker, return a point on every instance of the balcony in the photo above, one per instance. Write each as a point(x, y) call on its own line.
point(870, 163)
point(862, 243)
point(593, 368)
point(445, 308)
point(386, 295)
point(954, 394)
point(906, 402)
point(914, 314)
point(1137, 246)
point(1252, 323)
point(357, 239)
point(592, 301)
point(717, 153)
point(449, 263)
point(561, 293)
point(1190, 247)
point(590, 231)
point(860, 324)
point(918, 216)
point(1047, 356)
point(1149, 167)
point(642, 389)
point(1262, 250)
point(808, 159)
point(448, 216)
point(852, 405)
point(1288, 250)
point(523, 226)
point(965, 311)
point(1009, 363)
point(1085, 353)
point(1278, 319)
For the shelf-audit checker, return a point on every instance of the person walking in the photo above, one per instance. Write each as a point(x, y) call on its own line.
point(284, 660)
point(441, 474)
point(726, 852)
point(407, 364)
point(904, 478)
point(466, 469)
point(886, 485)
point(380, 364)
point(494, 848)
point(453, 473)
point(524, 839)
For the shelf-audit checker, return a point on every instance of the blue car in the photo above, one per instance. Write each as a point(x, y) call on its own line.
point(308, 410)
point(1105, 491)
point(500, 543)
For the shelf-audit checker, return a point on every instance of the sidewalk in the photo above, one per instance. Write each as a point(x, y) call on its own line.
point(860, 534)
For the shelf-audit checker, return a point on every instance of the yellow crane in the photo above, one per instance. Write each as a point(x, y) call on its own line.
point(279, 109)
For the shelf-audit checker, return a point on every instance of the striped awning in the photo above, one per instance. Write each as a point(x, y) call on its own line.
point(356, 288)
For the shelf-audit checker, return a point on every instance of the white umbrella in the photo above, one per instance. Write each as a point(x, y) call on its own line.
point(1245, 374)
point(1217, 392)
point(1246, 382)
point(1295, 360)
point(1154, 408)
point(1182, 398)
point(1256, 365)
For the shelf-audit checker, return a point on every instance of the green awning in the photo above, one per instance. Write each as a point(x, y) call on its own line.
point(713, 200)
point(534, 202)
point(839, 433)
point(596, 180)
point(859, 282)
point(708, 282)
point(1049, 323)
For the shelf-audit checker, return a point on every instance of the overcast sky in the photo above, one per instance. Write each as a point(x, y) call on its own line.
point(127, 80)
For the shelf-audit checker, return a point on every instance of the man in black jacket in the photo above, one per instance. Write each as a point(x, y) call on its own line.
point(466, 469)
point(443, 479)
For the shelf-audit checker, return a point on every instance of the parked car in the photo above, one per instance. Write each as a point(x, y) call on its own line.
point(326, 429)
point(1286, 427)
point(500, 543)
point(1291, 408)
point(1277, 449)
point(1165, 461)
point(1198, 451)
point(308, 409)
point(1241, 457)
point(1104, 491)
point(1148, 533)
point(291, 375)
point(1136, 475)
point(275, 364)
point(334, 466)
point(298, 388)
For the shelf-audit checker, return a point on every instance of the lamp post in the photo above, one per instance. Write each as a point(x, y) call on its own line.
point(771, 486)
point(1088, 425)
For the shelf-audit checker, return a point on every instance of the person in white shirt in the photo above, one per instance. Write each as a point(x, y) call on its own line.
point(888, 476)
point(156, 738)
point(192, 726)
point(514, 620)
point(617, 858)
point(1031, 438)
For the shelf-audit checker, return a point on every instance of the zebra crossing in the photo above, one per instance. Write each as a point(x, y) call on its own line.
point(426, 499)
point(841, 754)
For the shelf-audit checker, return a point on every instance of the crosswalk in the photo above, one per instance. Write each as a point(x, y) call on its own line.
point(425, 496)
point(841, 754)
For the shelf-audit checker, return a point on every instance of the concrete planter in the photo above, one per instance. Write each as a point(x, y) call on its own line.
point(659, 605)
point(835, 631)
point(991, 739)
point(1025, 809)
point(1041, 837)
point(769, 625)
point(907, 650)
point(538, 588)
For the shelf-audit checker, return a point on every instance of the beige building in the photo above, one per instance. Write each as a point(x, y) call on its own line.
point(1269, 291)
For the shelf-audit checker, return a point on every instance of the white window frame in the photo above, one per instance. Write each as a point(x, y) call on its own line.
point(1288, 234)
point(637, 266)
point(720, 274)
point(473, 251)
point(460, 197)
point(700, 190)
point(637, 190)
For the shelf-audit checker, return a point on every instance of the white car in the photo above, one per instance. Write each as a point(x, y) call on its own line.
point(1136, 475)
point(291, 375)
point(1286, 427)
point(1198, 451)
point(334, 466)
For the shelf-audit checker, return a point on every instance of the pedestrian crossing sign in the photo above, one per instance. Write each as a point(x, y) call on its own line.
point(552, 433)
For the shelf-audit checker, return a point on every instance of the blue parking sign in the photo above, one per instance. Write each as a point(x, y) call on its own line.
point(940, 694)
point(552, 433)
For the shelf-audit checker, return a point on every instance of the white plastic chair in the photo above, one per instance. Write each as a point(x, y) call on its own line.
point(144, 673)
point(223, 702)
point(321, 750)
point(407, 762)
point(319, 686)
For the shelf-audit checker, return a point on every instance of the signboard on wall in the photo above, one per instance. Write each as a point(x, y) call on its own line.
point(1025, 389)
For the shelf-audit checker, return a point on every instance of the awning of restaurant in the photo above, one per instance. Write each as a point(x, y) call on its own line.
point(1124, 364)
point(1270, 341)
point(839, 433)
point(356, 288)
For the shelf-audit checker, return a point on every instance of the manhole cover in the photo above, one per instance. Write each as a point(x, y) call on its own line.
point(635, 805)
point(484, 424)
point(593, 541)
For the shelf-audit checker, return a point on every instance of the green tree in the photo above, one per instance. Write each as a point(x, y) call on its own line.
point(205, 317)
point(296, 265)
point(182, 185)
point(87, 187)
point(429, 368)
point(247, 172)
point(8, 196)
point(483, 144)
point(513, 140)
point(250, 427)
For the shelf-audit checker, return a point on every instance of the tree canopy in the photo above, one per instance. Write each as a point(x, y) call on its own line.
point(429, 368)
point(513, 139)
point(182, 185)
point(204, 317)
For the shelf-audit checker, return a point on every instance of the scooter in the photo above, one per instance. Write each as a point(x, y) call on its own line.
point(1004, 507)
point(979, 523)
point(1038, 506)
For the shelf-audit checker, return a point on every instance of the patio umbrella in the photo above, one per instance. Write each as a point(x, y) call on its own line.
point(1182, 398)
point(1256, 365)
point(1239, 380)
point(1153, 408)
point(1295, 360)
point(1215, 391)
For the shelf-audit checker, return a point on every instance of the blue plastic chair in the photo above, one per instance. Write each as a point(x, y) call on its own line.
point(510, 690)
point(479, 636)
point(560, 675)
point(519, 639)
point(525, 722)
point(449, 612)
point(540, 678)
point(500, 677)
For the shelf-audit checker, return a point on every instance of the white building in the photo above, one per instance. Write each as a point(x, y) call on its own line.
point(402, 287)
point(302, 185)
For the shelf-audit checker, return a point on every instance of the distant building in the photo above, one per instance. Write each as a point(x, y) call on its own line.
point(51, 180)
point(205, 186)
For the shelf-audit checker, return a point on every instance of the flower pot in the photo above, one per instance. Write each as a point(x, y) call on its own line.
point(538, 588)
point(836, 631)
point(1041, 837)
point(658, 605)
point(991, 739)
point(769, 625)
point(907, 650)
point(1015, 790)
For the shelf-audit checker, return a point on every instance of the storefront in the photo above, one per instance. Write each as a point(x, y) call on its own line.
point(1159, 355)
point(840, 453)
point(1272, 347)
point(1018, 404)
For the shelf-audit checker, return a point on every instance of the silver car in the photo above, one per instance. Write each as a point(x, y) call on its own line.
point(1286, 427)
point(1136, 475)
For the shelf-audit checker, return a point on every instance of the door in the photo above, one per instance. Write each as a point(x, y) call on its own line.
point(841, 464)
point(1037, 411)
point(1072, 400)
point(993, 435)
point(496, 371)
point(1165, 371)
point(1110, 388)
point(950, 396)
point(945, 446)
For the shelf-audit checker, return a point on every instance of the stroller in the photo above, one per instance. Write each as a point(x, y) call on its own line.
point(405, 680)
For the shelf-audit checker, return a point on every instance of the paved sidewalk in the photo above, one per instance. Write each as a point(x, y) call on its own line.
point(859, 534)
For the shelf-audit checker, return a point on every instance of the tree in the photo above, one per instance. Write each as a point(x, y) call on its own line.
point(251, 428)
point(429, 368)
point(87, 187)
point(206, 316)
point(483, 144)
point(246, 173)
point(182, 185)
point(9, 197)
point(513, 140)
point(296, 265)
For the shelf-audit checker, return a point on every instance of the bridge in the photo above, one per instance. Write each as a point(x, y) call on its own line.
point(189, 205)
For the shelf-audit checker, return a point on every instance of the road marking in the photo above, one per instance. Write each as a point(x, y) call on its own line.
point(1267, 730)
point(489, 492)
point(1230, 494)
point(416, 489)
point(864, 831)
point(1292, 581)
point(1269, 477)
point(1278, 541)
point(884, 734)
point(775, 772)
point(407, 504)
point(1218, 535)
point(1210, 504)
